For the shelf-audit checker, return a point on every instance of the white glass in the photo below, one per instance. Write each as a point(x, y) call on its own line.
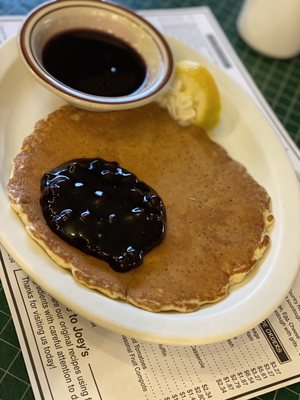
point(271, 27)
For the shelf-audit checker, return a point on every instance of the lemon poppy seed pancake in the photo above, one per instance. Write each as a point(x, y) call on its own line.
point(217, 215)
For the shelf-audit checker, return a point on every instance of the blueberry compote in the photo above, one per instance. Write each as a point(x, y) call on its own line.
point(103, 210)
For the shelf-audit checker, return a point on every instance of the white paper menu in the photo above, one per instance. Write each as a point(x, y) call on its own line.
point(68, 357)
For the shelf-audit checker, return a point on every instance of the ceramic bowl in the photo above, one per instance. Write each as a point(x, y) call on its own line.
point(57, 17)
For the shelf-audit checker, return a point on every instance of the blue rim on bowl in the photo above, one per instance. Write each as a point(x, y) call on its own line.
point(56, 17)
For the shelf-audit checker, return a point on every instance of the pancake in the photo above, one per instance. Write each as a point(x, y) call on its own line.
point(217, 213)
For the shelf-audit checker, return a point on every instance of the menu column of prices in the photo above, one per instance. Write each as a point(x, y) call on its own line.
point(69, 357)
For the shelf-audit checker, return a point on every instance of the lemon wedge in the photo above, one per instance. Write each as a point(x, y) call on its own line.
point(193, 97)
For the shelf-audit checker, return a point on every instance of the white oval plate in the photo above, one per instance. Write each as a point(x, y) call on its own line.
point(247, 136)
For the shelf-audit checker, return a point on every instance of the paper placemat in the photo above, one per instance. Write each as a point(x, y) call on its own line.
point(71, 358)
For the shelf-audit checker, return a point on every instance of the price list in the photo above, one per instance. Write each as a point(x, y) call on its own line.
point(221, 370)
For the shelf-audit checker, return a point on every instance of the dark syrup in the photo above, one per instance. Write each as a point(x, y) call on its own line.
point(103, 210)
point(94, 62)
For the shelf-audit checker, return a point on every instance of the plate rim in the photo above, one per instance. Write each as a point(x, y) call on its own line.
point(163, 321)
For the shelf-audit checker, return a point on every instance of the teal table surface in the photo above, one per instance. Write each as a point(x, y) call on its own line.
point(278, 80)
